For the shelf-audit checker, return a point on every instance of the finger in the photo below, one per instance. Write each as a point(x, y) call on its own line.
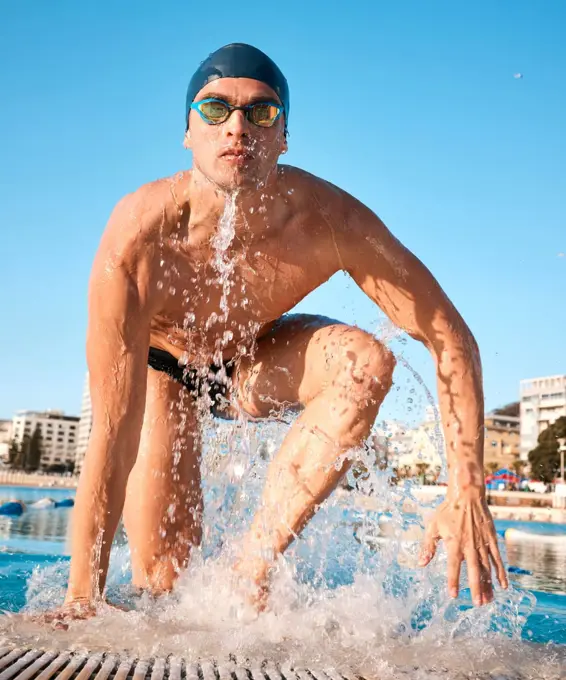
point(428, 546)
point(474, 576)
point(486, 584)
point(498, 562)
point(454, 567)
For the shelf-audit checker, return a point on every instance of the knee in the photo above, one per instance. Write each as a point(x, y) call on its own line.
point(369, 366)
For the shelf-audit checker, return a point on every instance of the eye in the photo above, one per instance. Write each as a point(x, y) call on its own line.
point(264, 114)
point(214, 110)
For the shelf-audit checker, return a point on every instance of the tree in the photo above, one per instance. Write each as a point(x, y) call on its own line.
point(56, 468)
point(22, 453)
point(518, 466)
point(13, 453)
point(512, 409)
point(545, 458)
point(34, 451)
point(492, 467)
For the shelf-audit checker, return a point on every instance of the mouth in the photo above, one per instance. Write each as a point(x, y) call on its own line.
point(236, 156)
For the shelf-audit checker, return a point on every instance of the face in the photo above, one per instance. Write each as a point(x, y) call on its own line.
point(236, 154)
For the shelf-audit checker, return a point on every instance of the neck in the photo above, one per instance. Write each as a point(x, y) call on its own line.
point(208, 200)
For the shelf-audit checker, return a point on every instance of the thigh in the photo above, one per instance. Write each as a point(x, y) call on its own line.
point(300, 357)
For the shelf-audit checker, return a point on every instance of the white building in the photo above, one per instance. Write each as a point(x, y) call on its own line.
point(58, 434)
point(5, 439)
point(406, 446)
point(543, 400)
point(85, 426)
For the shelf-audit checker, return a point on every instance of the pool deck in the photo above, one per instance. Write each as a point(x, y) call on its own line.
point(37, 664)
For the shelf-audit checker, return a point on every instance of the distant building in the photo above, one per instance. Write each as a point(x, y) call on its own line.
point(5, 439)
point(502, 440)
point(58, 434)
point(85, 427)
point(543, 400)
point(406, 447)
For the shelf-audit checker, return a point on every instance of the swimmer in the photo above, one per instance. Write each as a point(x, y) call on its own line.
point(164, 328)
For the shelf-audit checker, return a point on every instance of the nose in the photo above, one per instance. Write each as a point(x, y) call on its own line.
point(237, 125)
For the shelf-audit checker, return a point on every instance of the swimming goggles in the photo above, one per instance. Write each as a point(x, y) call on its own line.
point(216, 111)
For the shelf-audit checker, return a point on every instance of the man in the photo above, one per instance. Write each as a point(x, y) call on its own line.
point(187, 305)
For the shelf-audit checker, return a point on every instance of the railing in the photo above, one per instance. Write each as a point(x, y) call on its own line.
point(18, 478)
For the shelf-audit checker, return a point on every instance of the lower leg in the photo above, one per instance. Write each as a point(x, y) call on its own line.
point(311, 460)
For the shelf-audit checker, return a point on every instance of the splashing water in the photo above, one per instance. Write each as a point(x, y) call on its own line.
point(222, 240)
point(347, 595)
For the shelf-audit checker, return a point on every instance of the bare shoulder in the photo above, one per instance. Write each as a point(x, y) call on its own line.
point(350, 222)
point(303, 185)
point(137, 224)
point(333, 202)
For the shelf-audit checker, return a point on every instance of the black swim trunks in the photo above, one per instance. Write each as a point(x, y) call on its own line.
point(160, 360)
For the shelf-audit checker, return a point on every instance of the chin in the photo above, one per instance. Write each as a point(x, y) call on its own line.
point(241, 178)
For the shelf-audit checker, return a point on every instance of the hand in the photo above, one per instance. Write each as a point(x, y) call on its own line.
point(466, 526)
point(73, 610)
point(253, 581)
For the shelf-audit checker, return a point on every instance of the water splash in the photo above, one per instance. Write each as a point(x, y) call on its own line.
point(340, 598)
point(221, 241)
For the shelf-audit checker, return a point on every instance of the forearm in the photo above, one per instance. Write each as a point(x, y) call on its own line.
point(99, 504)
point(461, 402)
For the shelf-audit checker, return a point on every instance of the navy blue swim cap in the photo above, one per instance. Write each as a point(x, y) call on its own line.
point(239, 60)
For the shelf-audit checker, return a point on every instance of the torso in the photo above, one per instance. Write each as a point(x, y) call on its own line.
point(215, 301)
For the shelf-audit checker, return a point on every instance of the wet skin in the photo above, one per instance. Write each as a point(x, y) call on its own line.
point(155, 282)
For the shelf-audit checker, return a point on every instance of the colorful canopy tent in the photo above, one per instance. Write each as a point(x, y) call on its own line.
point(503, 478)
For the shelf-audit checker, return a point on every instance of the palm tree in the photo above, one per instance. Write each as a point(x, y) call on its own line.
point(422, 469)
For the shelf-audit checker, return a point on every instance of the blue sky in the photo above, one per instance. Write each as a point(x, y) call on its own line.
point(464, 162)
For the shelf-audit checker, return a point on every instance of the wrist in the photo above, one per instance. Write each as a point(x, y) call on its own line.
point(466, 479)
point(469, 493)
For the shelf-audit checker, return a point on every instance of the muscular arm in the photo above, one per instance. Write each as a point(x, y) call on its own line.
point(117, 346)
point(410, 296)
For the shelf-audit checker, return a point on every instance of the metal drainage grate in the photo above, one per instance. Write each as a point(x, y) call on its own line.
point(36, 664)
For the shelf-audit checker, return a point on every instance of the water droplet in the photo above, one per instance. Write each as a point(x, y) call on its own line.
point(159, 285)
point(172, 290)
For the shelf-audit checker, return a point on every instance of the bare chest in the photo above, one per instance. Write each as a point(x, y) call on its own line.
point(222, 288)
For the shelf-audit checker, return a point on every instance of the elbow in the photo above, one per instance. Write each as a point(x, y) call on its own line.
point(456, 347)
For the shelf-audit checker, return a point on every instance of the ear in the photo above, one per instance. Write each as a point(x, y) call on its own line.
point(187, 140)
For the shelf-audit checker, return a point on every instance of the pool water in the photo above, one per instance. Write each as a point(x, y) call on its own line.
point(34, 561)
